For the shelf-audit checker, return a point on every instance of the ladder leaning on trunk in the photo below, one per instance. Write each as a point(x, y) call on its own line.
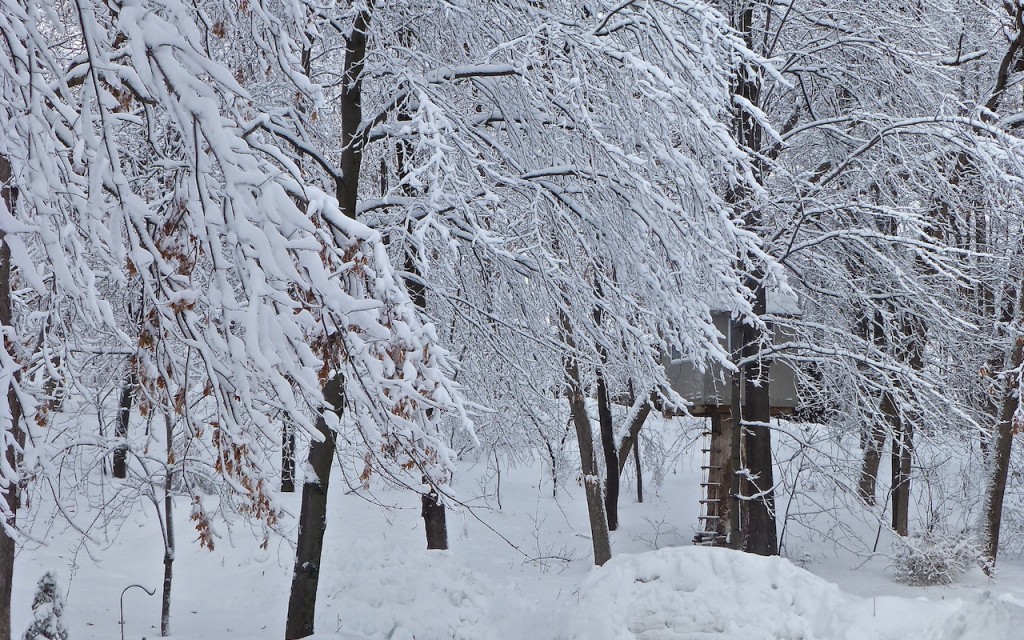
point(711, 531)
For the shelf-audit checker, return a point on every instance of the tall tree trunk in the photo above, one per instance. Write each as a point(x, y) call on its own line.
point(165, 600)
point(435, 519)
point(591, 478)
point(288, 458)
point(911, 351)
point(631, 440)
point(554, 464)
point(124, 412)
point(872, 436)
point(12, 453)
point(351, 106)
point(761, 531)
point(313, 509)
point(1003, 443)
point(588, 461)
point(313, 519)
point(873, 445)
point(906, 344)
point(8, 546)
point(639, 476)
point(898, 491)
point(901, 452)
point(737, 506)
point(611, 459)
point(756, 515)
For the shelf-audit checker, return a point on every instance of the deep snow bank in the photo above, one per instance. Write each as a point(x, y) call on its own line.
point(697, 593)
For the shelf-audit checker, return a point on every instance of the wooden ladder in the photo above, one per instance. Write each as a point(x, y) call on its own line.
point(708, 532)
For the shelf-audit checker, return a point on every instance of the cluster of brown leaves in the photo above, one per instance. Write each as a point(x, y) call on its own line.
point(233, 461)
point(202, 521)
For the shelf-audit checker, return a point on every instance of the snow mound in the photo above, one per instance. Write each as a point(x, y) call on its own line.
point(401, 594)
point(699, 593)
point(694, 593)
point(981, 618)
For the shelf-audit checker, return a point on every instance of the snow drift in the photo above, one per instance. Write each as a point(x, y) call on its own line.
point(693, 593)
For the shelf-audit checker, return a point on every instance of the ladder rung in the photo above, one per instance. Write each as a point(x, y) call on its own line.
point(705, 450)
point(708, 518)
point(710, 467)
point(711, 484)
point(710, 500)
point(709, 539)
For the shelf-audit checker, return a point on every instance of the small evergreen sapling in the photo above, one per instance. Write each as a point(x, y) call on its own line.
point(47, 607)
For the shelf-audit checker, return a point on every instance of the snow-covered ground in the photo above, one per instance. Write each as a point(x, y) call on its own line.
point(522, 571)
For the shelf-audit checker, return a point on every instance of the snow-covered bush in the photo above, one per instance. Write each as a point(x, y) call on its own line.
point(934, 559)
point(47, 609)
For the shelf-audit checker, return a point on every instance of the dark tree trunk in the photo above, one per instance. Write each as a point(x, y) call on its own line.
point(12, 496)
point(901, 431)
point(351, 104)
point(554, 466)
point(737, 511)
point(8, 546)
point(313, 509)
point(1000, 448)
point(901, 458)
point(633, 433)
point(313, 520)
point(288, 458)
point(872, 436)
point(591, 478)
point(911, 351)
point(124, 412)
point(588, 461)
point(874, 442)
point(761, 532)
point(1002, 445)
point(611, 459)
point(755, 514)
point(993, 405)
point(8, 549)
point(497, 475)
point(639, 476)
point(434, 520)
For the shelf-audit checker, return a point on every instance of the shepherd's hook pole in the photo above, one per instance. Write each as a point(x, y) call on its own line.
point(151, 592)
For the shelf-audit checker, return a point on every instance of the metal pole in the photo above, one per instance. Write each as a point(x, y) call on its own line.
point(151, 592)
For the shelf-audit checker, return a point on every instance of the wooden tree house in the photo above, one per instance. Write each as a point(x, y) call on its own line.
point(709, 394)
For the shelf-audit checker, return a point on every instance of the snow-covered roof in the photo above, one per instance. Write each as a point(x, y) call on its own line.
point(783, 303)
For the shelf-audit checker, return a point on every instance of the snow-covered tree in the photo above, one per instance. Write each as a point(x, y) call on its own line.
point(135, 156)
point(47, 610)
point(536, 162)
point(893, 208)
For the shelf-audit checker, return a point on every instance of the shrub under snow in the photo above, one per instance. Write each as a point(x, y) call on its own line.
point(47, 609)
point(934, 559)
